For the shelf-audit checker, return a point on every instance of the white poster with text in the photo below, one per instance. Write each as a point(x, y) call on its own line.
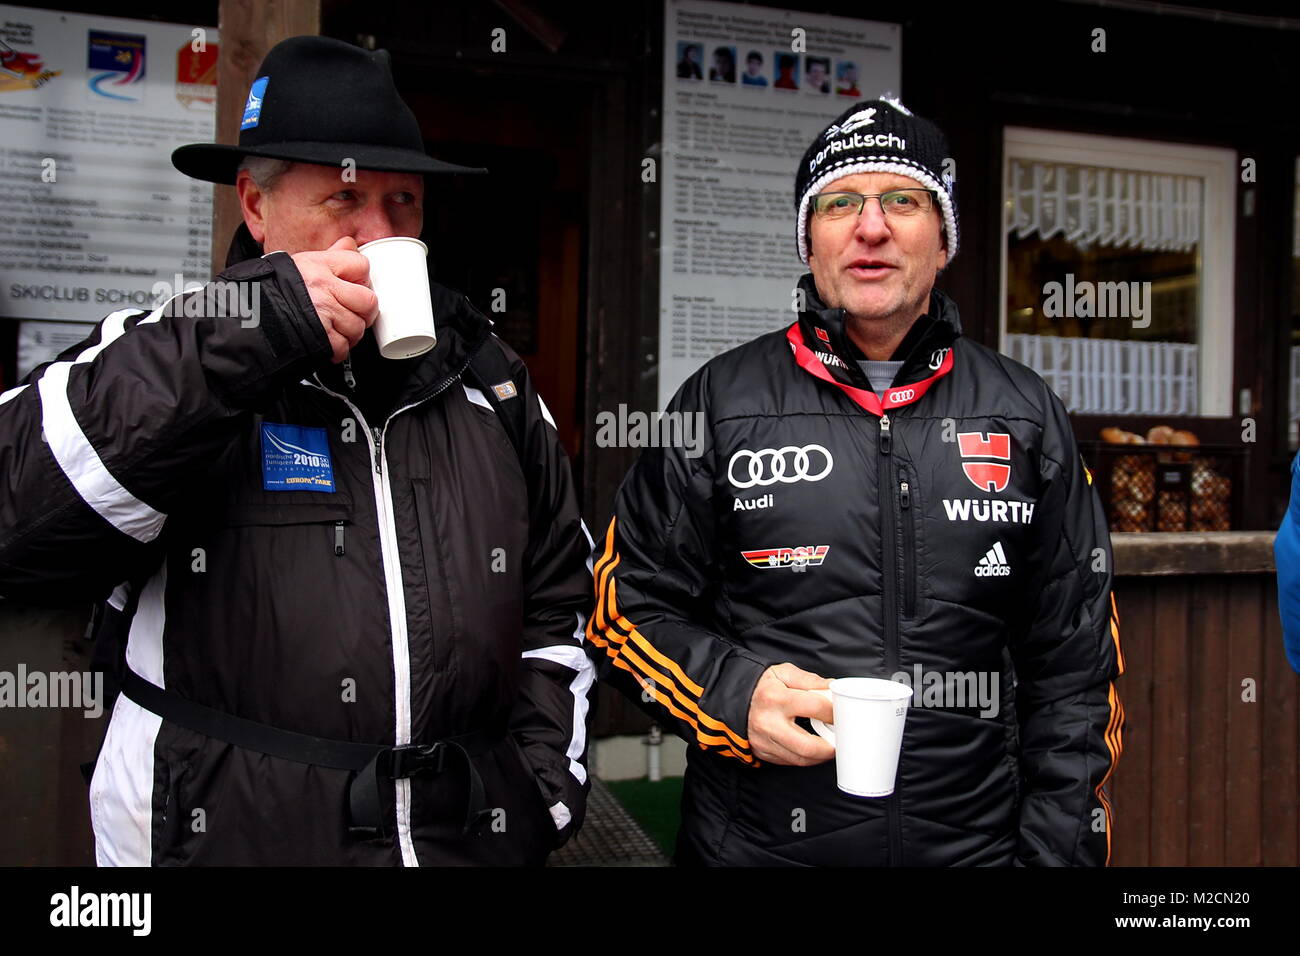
point(746, 89)
point(92, 213)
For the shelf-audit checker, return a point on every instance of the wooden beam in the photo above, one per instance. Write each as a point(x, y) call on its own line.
point(248, 29)
point(1195, 552)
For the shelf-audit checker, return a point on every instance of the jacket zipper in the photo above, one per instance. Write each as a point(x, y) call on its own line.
point(888, 548)
point(396, 594)
point(909, 549)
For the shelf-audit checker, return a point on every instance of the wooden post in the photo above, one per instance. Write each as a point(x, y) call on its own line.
point(248, 29)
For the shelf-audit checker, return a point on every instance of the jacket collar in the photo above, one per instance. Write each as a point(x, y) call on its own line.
point(921, 351)
point(461, 330)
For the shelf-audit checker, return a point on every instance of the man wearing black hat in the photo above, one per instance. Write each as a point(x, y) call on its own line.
point(345, 595)
point(880, 497)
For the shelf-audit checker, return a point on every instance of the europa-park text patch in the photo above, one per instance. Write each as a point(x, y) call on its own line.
point(296, 458)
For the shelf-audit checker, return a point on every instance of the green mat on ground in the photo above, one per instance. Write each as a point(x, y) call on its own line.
point(655, 806)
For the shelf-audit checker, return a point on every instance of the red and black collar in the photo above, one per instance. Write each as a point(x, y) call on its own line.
point(823, 348)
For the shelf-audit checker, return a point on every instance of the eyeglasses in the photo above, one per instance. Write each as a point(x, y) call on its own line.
point(895, 204)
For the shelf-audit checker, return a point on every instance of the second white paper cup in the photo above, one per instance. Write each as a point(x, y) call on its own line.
point(399, 274)
point(867, 734)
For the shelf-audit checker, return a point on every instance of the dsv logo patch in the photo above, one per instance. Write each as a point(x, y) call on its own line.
point(798, 559)
point(786, 465)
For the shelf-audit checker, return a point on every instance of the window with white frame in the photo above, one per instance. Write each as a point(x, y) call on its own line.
point(1117, 271)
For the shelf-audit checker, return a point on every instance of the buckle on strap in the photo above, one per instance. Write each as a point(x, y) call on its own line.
point(411, 760)
point(414, 760)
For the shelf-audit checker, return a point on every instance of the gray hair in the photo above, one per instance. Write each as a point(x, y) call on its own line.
point(265, 171)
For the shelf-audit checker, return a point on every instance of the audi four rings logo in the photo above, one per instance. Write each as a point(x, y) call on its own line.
point(786, 465)
point(903, 395)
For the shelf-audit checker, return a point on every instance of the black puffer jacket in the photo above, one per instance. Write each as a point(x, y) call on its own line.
point(951, 535)
point(291, 563)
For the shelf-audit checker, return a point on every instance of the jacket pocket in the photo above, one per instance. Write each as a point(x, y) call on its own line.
point(534, 795)
point(909, 512)
point(440, 614)
point(519, 830)
point(169, 837)
point(254, 513)
point(334, 518)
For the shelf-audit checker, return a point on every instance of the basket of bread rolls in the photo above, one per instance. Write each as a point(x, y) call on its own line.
point(1154, 487)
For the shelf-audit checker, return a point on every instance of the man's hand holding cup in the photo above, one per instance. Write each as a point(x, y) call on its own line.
point(338, 281)
point(783, 693)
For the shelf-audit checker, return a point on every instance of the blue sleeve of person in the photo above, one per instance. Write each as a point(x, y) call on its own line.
point(1286, 555)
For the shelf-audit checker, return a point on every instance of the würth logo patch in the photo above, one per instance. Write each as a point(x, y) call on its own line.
point(986, 475)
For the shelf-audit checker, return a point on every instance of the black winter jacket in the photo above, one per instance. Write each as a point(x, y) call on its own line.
point(272, 554)
point(947, 534)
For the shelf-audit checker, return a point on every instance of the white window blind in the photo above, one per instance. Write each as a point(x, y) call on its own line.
point(1145, 196)
point(1112, 376)
point(1115, 207)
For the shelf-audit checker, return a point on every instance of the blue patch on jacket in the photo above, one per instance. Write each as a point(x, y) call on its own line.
point(296, 458)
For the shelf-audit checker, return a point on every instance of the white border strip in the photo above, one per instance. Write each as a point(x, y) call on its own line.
point(83, 466)
point(122, 789)
point(576, 659)
point(12, 393)
point(476, 397)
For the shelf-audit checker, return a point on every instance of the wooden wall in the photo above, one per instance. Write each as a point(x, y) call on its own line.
point(1208, 774)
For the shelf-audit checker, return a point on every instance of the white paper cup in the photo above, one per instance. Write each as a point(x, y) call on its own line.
point(867, 734)
point(399, 274)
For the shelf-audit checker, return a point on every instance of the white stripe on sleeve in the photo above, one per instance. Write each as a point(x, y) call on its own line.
point(576, 659)
point(12, 394)
point(83, 466)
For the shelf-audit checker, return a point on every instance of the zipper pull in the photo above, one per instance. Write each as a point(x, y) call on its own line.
point(379, 449)
point(338, 539)
point(349, 379)
point(886, 437)
point(906, 496)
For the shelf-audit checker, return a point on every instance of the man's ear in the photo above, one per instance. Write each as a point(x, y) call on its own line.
point(252, 203)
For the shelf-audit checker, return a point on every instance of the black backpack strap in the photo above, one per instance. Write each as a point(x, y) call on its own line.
point(490, 372)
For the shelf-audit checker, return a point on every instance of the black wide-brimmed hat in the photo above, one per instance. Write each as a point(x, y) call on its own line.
point(318, 100)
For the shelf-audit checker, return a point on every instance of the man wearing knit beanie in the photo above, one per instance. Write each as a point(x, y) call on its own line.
point(878, 265)
point(879, 497)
